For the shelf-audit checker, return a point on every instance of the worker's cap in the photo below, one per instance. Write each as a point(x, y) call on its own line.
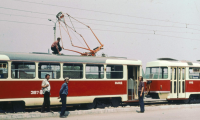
point(67, 78)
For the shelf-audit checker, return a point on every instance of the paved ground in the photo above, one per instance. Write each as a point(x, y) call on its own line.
point(174, 114)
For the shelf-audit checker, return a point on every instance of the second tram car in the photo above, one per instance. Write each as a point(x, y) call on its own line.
point(174, 80)
point(92, 79)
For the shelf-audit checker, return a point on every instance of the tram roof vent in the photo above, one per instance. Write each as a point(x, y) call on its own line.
point(39, 53)
point(171, 59)
point(189, 63)
point(117, 57)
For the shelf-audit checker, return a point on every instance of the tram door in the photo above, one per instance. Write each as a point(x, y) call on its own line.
point(177, 82)
point(181, 82)
point(133, 72)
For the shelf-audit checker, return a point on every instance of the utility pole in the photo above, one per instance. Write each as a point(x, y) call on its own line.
point(54, 28)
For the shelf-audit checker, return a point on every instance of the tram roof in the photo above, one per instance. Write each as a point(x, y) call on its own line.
point(159, 63)
point(45, 57)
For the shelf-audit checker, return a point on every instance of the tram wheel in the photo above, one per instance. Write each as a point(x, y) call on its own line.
point(186, 101)
point(115, 102)
point(19, 106)
point(91, 105)
point(170, 101)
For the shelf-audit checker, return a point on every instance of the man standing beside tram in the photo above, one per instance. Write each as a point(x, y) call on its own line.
point(141, 94)
point(46, 92)
point(63, 95)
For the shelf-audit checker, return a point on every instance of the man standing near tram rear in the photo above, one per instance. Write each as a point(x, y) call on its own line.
point(46, 92)
point(63, 95)
point(141, 94)
point(55, 47)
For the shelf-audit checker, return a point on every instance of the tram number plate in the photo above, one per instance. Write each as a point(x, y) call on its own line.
point(191, 82)
point(36, 92)
point(118, 83)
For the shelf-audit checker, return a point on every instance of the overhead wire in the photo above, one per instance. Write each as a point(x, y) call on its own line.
point(87, 19)
point(106, 12)
point(25, 22)
point(105, 30)
point(21, 15)
point(105, 25)
point(26, 11)
point(105, 20)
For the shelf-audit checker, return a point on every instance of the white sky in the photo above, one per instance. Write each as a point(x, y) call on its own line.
point(130, 34)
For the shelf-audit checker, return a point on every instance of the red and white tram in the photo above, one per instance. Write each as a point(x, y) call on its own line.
point(174, 80)
point(92, 79)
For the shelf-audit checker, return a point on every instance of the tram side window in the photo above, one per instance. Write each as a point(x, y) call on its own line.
point(94, 71)
point(3, 70)
point(73, 71)
point(114, 71)
point(194, 73)
point(152, 73)
point(23, 70)
point(53, 69)
point(163, 74)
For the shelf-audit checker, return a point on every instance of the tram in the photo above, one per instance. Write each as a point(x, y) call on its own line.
point(92, 79)
point(174, 80)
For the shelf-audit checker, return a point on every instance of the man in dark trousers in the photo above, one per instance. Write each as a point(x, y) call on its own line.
point(63, 95)
point(46, 92)
point(141, 94)
point(55, 47)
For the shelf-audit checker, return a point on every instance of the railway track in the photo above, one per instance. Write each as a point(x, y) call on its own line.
point(57, 108)
point(83, 107)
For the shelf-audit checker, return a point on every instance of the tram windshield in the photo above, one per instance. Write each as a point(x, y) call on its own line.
point(156, 73)
point(194, 73)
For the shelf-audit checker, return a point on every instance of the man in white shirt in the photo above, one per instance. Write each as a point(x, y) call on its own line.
point(46, 92)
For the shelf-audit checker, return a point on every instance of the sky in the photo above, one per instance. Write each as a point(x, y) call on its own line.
point(137, 29)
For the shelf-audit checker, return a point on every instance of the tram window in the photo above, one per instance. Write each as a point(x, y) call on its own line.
point(163, 74)
point(174, 77)
point(174, 73)
point(171, 73)
point(179, 86)
point(94, 71)
point(73, 71)
point(174, 86)
point(3, 70)
point(114, 71)
point(152, 73)
point(194, 73)
point(53, 69)
point(23, 70)
point(183, 74)
point(170, 86)
point(179, 73)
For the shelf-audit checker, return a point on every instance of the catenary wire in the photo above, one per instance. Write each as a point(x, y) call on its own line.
point(105, 25)
point(106, 12)
point(104, 20)
point(107, 30)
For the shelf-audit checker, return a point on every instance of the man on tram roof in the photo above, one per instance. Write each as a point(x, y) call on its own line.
point(55, 47)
